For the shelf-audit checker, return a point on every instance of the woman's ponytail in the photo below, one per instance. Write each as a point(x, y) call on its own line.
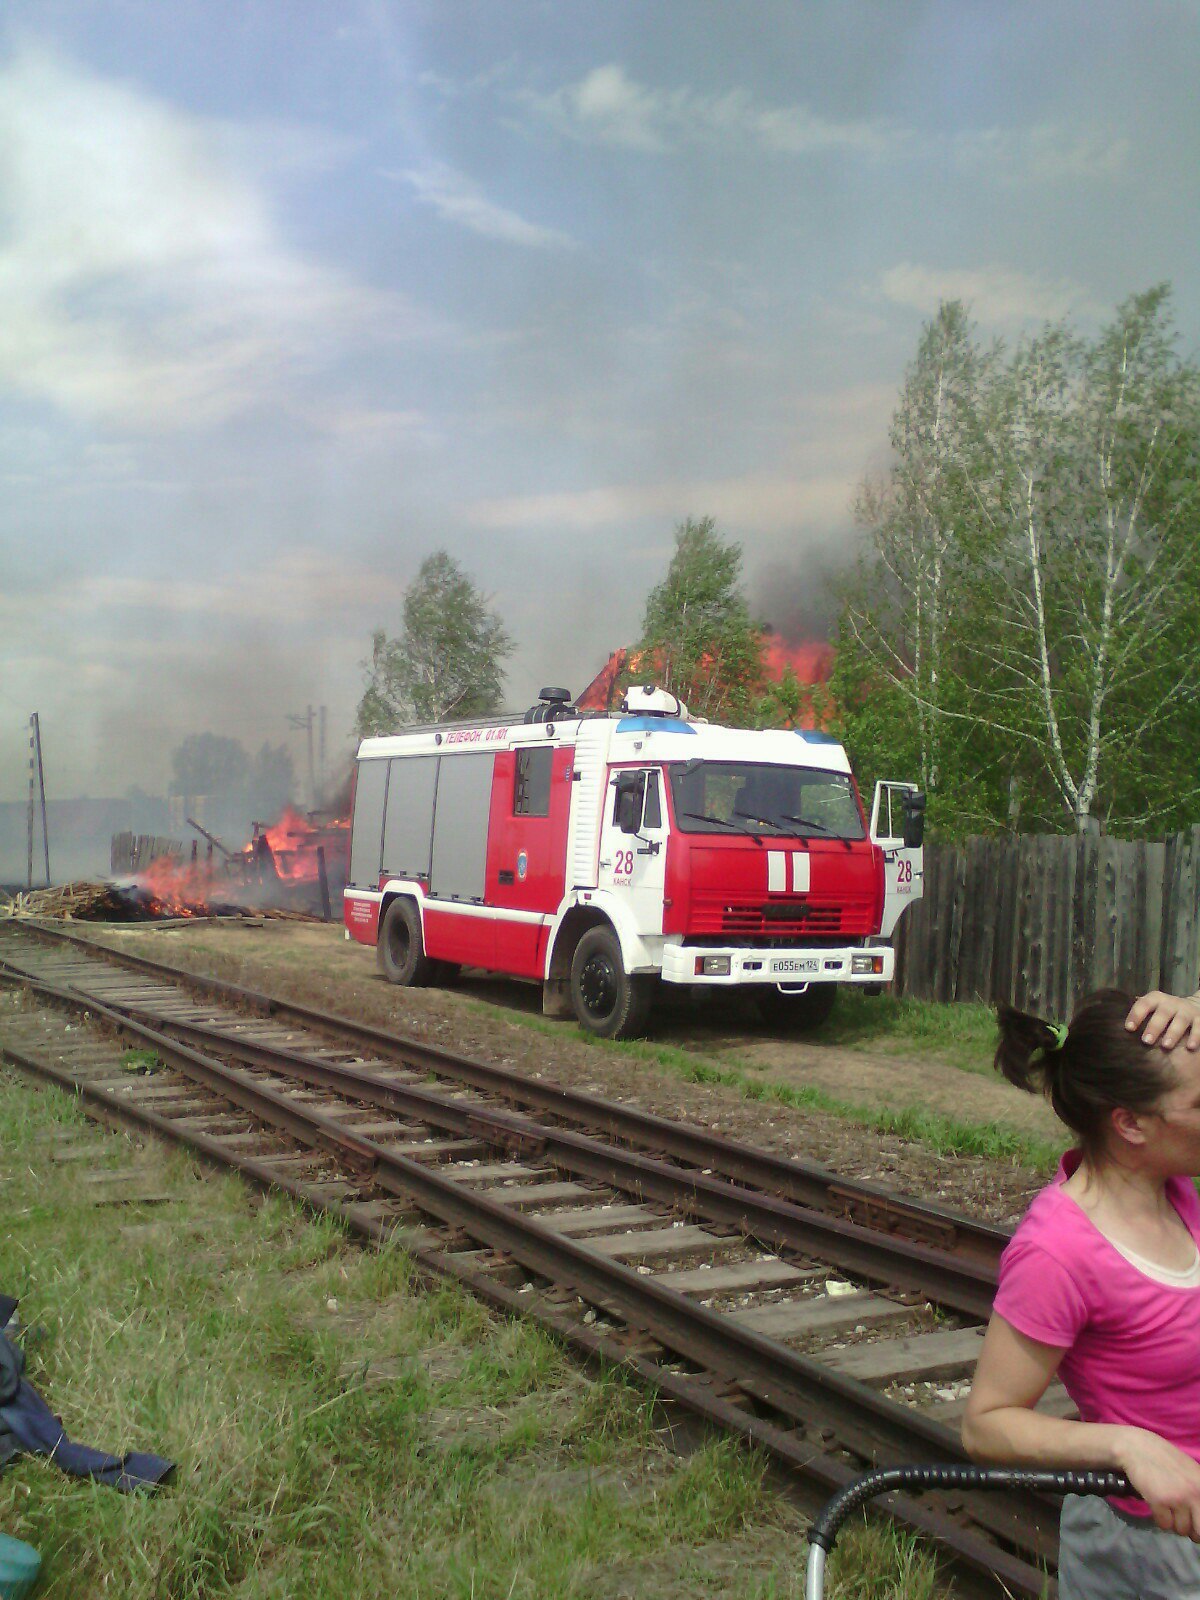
point(1028, 1048)
point(1087, 1070)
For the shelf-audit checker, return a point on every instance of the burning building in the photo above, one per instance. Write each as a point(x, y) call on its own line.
point(810, 660)
point(297, 863)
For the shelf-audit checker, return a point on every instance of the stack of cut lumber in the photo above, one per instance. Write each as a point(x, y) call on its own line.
point(86, 901)
point(82, 901)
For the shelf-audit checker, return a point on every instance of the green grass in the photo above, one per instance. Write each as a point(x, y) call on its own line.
point(962, 1034)
point(143, 1062)
point(237, 1338)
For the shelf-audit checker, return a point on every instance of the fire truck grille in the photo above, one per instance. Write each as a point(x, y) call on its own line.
point(852, 917)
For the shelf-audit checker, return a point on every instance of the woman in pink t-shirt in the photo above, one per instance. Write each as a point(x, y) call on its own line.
point(1101, 1286)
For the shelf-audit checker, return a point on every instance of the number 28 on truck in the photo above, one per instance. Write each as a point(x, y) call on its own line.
point(606, 855)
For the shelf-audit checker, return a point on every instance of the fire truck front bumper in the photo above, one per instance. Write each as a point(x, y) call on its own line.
point(730, 965)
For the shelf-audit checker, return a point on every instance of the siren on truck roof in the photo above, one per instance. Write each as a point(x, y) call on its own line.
point(551, 703)
point(649, 701)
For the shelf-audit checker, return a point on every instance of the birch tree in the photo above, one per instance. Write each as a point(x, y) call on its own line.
point(1024, 625)
point(1090, 558)
point(447, 661)
point(901, 611)
point(698, 638)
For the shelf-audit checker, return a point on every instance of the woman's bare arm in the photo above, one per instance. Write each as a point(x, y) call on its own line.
point(1001, 1426)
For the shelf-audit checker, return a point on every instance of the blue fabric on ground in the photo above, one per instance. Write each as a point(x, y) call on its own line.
point(28, 1423)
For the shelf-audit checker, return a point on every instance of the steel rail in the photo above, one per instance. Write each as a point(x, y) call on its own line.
point(791, 1178)
point(814, 1398)
point(819, 1474)
point(867, 1253)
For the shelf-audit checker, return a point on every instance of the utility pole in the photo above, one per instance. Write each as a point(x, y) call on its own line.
point(37, 789)
point(321, 768)
point(29, 816)
point(306, 722)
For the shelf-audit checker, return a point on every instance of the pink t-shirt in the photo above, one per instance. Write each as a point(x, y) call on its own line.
point(1132, 1345)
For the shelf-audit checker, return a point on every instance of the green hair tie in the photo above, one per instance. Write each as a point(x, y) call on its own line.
point(1060, 1031)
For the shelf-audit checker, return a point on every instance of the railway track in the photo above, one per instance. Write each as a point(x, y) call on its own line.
point(830, 1323)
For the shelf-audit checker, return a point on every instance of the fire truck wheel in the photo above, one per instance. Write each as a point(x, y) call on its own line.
point(400, 951)
point(607, 1000)
point(797, 1013)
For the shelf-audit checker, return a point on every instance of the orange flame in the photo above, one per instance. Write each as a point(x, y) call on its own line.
point(175, 888)
point(294, 842)
point(272, 869)
point(810, 659)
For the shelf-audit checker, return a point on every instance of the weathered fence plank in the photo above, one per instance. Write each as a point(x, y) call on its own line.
point(1041, 920)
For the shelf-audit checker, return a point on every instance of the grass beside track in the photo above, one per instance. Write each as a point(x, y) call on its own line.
point(341, 1430)
point(962, 1034)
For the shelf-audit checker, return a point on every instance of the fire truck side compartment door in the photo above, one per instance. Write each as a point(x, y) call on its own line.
point(408, 825)
point(903, 869)
point(590, 764)
point(460, 827)
point(366, 838)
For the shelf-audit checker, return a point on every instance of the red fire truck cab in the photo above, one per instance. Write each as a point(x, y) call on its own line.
point(605, 854)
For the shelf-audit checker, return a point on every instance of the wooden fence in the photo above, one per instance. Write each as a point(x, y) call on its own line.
point(132, 852)
point(1042, 919)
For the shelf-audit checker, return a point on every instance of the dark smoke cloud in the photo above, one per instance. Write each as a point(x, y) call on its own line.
point(797, 598)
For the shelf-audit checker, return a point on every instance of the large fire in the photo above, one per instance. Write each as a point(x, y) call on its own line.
point(811, 660)
point(279, 868)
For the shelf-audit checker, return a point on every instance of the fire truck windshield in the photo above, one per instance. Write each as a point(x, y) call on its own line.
point(714, 796)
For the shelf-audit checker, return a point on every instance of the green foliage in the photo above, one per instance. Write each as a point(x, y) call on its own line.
point(786, 702)
point(447, 660)
point(1021, 633)
point(698, 638)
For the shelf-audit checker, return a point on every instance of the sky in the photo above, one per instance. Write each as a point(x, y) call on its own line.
point(293, 294)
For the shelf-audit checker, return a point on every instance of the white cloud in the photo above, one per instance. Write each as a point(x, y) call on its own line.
point(456, 199)
point(994, 295)
point(609, 107)
point(142, 278)
point(766, 502)
point(1047, 153)
point(295, 586)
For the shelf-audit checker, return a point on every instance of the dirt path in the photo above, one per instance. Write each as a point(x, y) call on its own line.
point(491, 1019)
point(883, 1079)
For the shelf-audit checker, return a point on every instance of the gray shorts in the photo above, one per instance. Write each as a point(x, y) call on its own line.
point(1105, 1556)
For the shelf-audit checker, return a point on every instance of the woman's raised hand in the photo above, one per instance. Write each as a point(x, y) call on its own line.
point(1166, 1019)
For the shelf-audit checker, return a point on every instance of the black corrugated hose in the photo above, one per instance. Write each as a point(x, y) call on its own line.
point(823, 1534)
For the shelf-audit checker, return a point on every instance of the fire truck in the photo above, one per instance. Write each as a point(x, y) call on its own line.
point(604, 855)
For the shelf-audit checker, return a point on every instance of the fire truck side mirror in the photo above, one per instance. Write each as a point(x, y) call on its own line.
point(629, 810)
point(631, 800)
point(914, 820)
